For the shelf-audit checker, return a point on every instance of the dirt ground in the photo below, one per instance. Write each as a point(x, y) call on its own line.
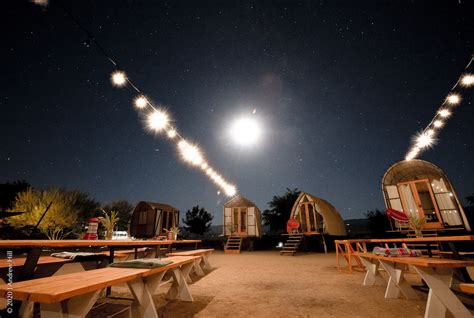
point(265, 284)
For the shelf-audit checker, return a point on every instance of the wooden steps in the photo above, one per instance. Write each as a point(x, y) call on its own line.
point(292, 244)
point(233, 245)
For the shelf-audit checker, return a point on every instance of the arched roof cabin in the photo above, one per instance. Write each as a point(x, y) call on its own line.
point(149, 219)
point(317, 216)
point(418, 186)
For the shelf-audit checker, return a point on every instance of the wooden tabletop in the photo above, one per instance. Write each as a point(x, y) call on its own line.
point(428, 239)
point(425, 239)
point(79, 243)
point(421, 261)
point(185, 241)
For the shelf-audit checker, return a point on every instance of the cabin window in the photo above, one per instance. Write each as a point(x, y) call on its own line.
point(243, 220)
point(394, 197)
point(446, 203)
point(165, 220)
point(142, 217)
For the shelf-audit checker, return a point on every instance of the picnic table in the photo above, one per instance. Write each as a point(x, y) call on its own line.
point(437, 273)
point(34, 248)
point(349, 248)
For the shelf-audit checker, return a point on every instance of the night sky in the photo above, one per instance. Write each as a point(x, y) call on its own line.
point(340, 88)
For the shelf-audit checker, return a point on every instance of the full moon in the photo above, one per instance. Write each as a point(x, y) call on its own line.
point(245, 131)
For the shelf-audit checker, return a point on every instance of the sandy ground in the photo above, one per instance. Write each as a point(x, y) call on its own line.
point(265, 284)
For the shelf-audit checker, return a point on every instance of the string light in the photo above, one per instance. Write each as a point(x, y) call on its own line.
point(426, 138)
point(172, 133)
point(445, 113)
point(119, 78)
point(453, 99)
point(467, 80)
point(158, 120)
point(141, 102)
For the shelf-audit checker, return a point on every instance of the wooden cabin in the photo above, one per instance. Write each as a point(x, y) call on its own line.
point(149, 219)
point(242, 218)
point(418, 186)
point(317, 216)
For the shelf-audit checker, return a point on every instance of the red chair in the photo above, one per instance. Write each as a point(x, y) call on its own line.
point(397, 215)
point(292, 226)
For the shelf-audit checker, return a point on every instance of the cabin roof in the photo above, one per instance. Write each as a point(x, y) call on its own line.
point(156, 205)
point(239, 201)
point(408, 170)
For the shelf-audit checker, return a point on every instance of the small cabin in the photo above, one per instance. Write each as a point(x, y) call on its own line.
point(242, 218)
point(418, 186)
point(149, 219)
point(317, 216)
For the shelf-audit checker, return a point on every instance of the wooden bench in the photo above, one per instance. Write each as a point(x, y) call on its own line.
point(467, 288)
point(436, 272)
point(47, 266)
point(43, 260)
point(73, 295)
point(203, 258)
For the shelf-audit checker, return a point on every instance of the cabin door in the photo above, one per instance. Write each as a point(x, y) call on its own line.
point(239, 220)
point(308, 218)
point(417, 197)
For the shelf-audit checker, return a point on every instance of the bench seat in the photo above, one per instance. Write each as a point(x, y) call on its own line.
point(436, 272)
point(200, 264)
point(467, 288)
point(76, 293)
point(43, 260)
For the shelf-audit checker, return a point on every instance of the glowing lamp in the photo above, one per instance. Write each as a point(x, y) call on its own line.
point(141, 102)
point(158, 120)
point(453, 99)
point(119, 78)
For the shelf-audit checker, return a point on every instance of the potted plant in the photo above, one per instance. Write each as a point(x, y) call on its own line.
point(416, 223)
point(109, 221)
point(172, 233)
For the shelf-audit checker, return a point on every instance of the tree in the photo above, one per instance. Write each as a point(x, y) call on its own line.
point(124, 210)
point(198, 220)
point(378, 222)
point(280, 210)
point(8, 192)
point(63, 214)
point(470, 199)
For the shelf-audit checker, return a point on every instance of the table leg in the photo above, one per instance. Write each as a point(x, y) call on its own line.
point(111, 260)
point(31, 262)
point(397, 282)
point(372, 275)
point(428, 249)
point(440, 296)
